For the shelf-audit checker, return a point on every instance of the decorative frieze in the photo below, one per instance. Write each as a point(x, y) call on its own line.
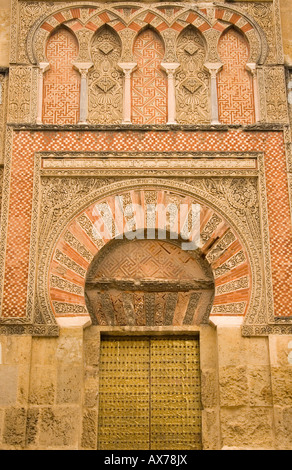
point(257, 21)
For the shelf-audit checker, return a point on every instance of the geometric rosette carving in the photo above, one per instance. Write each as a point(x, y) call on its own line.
point(105, 79)
point(192, 81)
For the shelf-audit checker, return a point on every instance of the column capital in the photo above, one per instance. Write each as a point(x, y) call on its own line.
point(213, 67)
point(251, 67)
point(44, 66)
point(127, 67)
point(83, 67)
point(170, 67)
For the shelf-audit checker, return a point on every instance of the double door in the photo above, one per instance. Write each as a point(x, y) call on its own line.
point(149, 394)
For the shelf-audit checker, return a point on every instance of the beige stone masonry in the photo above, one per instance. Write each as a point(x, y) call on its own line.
point(49, 389)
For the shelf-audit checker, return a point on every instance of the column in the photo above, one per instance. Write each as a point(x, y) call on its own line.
point(213, 69)
point(83, 68)
point(252, 68)
point(43, 67)
point(127, 68)
point(170, 69)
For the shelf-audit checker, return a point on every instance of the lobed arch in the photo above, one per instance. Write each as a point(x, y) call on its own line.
point(148, 15)
point(74, 248)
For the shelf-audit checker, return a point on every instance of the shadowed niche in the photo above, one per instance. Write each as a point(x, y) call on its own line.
point(149, 283)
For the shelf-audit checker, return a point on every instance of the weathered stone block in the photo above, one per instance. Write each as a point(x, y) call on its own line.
point(247, 427)
point(44, 351)
point(234, 349)
point(18, 350)
point(91, 385)
point(59, 427)
point(32, 426)
point(69, 383)
point(92, 350)
point(233, 385)
point(283, 428)
point(8, 385)
point(282, 385)
point(2, 414)
point(260, 388)
point(280, 349)
point(209, 388)
point(70, 346)
point(208, 348)
point(23, 384)
point(42, 385)
point(211, 430)
point(14, 427)
point(89, 430)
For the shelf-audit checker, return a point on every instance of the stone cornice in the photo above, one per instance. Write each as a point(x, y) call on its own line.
point(147, 128)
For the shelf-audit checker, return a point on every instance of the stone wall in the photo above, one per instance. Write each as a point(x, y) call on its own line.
point(49, 390)
point(49, 368)
point(286, 20)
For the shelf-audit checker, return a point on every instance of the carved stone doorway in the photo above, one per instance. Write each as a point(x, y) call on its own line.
point(149, 395)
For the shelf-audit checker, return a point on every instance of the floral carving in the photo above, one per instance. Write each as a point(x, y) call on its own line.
point(192, 81)
point(105, 79)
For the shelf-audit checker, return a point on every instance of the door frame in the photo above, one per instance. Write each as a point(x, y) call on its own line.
point(211, 433)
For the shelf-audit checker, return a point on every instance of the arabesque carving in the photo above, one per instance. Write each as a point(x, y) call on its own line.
point(105, 81)
point(20, 90)
point(192, 80)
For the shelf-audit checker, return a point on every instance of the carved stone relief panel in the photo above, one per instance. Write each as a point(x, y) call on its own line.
point(20, 91)
point(105, 80)
point(275, 94)
point(263, 14)
point(192, 81)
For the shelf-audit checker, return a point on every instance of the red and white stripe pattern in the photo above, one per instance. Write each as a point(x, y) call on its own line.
point(78, 246)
